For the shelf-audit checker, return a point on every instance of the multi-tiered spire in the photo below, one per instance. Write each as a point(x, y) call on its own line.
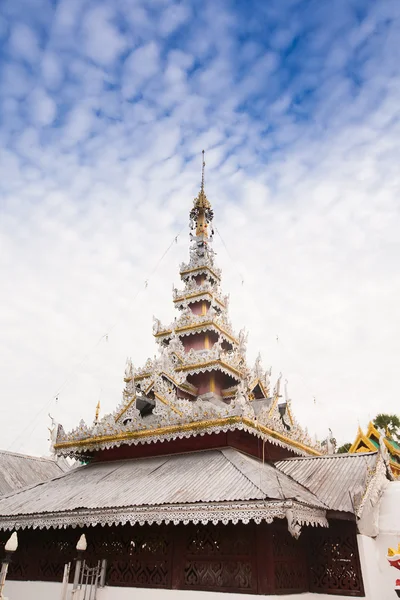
point(200, 381)
point(201, 340)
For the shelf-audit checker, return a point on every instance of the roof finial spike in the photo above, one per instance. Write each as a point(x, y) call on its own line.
point(96, 418)
point(202, 173)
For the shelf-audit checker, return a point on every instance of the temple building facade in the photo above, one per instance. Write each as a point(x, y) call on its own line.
point(201, 479)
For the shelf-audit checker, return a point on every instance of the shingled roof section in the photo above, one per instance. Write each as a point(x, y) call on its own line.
point(335, 479)
point(18, 471)
point(194, 480)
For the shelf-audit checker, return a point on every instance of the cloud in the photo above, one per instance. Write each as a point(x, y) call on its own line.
point(42, 106)
point(23, 42)
point(52, 71)
point(139, 67)
point(173, 17)
point(101, 39)
point(105, 108)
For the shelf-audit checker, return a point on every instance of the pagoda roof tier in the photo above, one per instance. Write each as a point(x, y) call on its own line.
point(187, 270)
point(212, 365)
point(205, 291)
point(209, 486)
point(181, 418)
point(190, 323)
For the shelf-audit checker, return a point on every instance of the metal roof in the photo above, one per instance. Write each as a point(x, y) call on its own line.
point(20, 470)
point(335, 479)
point(200, 477)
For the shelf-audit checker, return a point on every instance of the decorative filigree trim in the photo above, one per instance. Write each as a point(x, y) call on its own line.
point(166, 333)
point(224, 512)
point(206, 367)
point(164, 434)
point(195, 293)
point(186, 270)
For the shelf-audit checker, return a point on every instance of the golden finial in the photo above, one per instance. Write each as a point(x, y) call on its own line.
point(97, 411)
point(201, 201)
point(201, 214)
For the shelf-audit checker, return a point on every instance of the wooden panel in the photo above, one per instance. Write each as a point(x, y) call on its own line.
point(256, 559)
point(334, 564)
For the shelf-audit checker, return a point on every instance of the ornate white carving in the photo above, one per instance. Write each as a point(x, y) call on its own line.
point(202, 292)
point(293, 525)
point(188, 319)
point(212, 512)
point(156, 325)
point(367, 506)
point(53, 431)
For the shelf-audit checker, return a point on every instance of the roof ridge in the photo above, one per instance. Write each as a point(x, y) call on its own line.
point(326, 456)
point(300, 484)
point(275, 471)
point(34, 485)
point(223, 450)
point(30, 456)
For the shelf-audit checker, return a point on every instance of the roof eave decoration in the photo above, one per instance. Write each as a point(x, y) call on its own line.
point(217, 512)
point(79, 447)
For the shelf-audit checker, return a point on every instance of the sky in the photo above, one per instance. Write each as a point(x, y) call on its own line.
point(105, 107)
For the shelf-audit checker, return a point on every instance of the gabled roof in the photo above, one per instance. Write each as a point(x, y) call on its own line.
point(337, 480)
point(217, 485)
point(370, 442)
point(20, 470)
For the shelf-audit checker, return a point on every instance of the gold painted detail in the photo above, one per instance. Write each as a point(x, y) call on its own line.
point(393, 551)
point(141, 376)
point(125, 408)
point(200, 269)
point(212, 382)
point(276, 396)
point(207, 365)
point(363, 443)
point(213, 297)
point(169, 404)
point(229, 392)
point(193, 426)
point(195, 328)
point(258, 382)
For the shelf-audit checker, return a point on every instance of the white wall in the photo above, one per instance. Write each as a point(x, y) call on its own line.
point(36, 590)
point(126, 594)
point(379, 577)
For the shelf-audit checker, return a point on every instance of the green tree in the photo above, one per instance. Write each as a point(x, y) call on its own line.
point(344, 449)
point(390, 423)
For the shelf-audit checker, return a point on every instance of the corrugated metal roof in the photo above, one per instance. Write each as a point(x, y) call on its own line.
point(19, 470)
point(200, 477)
point(334, 479)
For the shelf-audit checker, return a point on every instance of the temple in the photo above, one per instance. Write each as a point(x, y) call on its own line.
point(199, 387)
point(369, 442)
point(201, 478)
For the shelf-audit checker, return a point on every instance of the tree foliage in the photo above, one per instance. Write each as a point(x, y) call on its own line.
point(344, 449)
point(389, 423)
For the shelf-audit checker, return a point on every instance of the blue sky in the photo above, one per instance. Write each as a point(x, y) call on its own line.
point(105, 108)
